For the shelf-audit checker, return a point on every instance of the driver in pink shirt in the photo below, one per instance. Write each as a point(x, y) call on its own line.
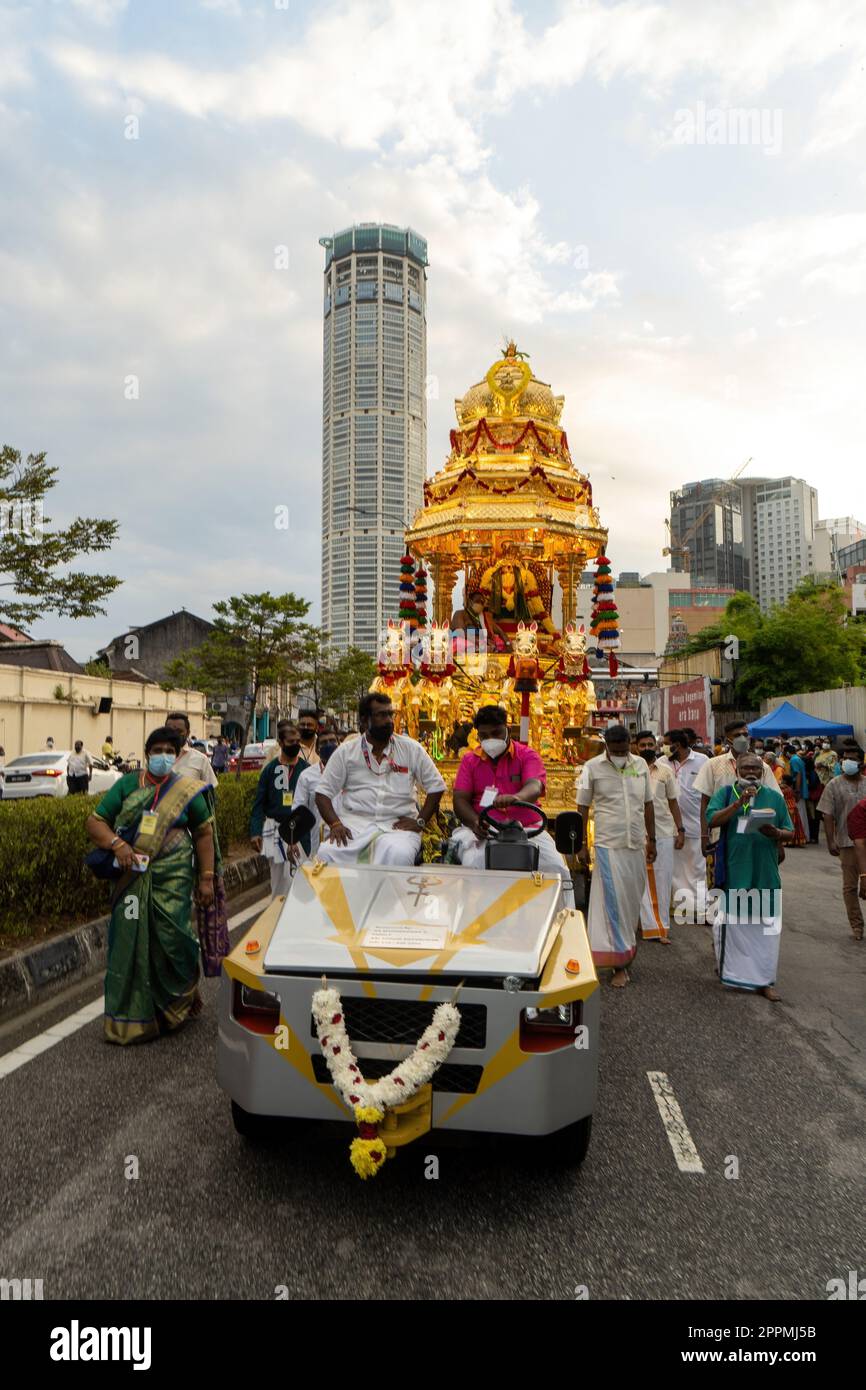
point(501, 777)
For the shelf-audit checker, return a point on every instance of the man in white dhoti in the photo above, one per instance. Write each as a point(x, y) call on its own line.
point(655, 908)
point(376, 776)
point(689, 881)
point(308, 784)
point(617, 786)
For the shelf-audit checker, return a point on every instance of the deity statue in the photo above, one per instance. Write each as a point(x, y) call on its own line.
point(510, 593)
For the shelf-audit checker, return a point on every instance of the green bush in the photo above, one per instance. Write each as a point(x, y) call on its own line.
point(42, 847)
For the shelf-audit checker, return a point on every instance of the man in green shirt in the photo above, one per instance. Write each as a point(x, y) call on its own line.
point(748, 919)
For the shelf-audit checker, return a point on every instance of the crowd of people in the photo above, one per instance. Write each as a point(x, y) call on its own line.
point(679, 833)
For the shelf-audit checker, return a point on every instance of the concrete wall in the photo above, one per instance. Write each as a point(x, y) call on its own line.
point(30, 711)
point(845, 706)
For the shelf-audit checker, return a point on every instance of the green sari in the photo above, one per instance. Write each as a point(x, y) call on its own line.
point(151, 980)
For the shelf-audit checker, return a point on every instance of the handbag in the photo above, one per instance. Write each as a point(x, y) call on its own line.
point(213, 930)
point(101, 863)
point(720, 857)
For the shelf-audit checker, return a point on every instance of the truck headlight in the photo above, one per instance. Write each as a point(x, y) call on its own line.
point(255, 1009)
point(547, 1030)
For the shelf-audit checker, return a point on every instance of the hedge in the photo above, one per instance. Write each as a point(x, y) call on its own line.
point(42, 847)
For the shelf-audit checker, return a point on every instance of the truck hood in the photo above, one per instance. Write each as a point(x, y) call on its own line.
point(431, 919)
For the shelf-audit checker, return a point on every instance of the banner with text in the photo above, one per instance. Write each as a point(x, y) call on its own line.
point(687, 706)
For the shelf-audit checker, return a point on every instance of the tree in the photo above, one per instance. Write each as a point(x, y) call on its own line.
point(97, 667)
point(805, 644)
point(318, 659)
point(257, 640)
point(349, 679)
point(31, 555)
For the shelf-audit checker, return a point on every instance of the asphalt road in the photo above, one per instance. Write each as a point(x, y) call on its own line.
point(780, 1087)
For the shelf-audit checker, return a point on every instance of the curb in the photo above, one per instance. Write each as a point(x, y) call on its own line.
point(31, 976)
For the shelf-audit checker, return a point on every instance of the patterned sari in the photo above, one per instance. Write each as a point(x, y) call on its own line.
point(152, 975)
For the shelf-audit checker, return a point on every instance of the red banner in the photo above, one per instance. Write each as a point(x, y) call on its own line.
point(687, 706)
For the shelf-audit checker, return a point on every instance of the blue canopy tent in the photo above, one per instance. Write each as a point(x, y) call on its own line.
point(787, 719)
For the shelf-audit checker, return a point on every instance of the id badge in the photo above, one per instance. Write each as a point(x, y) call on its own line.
point(287, 800)
point(488, 796)
point(147, 825)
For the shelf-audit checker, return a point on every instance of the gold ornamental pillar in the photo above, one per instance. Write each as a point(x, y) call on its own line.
point(444, 570)
point(569, 568)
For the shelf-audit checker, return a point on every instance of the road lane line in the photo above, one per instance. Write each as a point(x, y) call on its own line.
point(65, 1027)
point(687, 1157)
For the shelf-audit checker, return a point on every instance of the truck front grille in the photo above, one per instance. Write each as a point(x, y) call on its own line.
point(404, 1020)
point(454, 1077)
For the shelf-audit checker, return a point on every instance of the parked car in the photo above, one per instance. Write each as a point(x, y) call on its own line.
point(255, 755)
point(44, 774)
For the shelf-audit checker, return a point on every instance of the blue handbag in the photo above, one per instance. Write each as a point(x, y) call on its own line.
point(101, 863)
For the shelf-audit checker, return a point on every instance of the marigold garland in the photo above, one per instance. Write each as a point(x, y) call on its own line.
point(369, 1101)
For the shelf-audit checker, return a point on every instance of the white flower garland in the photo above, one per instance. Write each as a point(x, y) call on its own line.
point(369, 1101)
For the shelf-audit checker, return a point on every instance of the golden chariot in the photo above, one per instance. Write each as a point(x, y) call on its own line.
point(511, 514)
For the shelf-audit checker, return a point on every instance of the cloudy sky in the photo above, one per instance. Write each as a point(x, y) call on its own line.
point(692, 279)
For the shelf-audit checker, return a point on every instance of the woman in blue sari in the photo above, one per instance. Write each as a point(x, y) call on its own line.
point(160, 828)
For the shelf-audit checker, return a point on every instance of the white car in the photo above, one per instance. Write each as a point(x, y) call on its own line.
point(44, 774)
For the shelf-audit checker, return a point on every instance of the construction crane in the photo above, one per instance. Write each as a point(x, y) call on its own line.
point(682, 550)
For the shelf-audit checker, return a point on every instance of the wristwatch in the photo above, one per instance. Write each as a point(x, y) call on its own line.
point(422, 824)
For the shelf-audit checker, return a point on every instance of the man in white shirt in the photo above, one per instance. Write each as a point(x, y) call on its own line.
point(79, 769)
point(308, 784)
point(617, 785)
point(190, 762)
point(689, 881)
point(376, 775)
point(655, 908)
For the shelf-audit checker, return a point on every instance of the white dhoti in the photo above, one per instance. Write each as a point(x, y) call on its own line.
point(804, 817)
point(618, 882)
point(655, 908)
point(372, 844)
point(689, 882)
point(550, 861)
point(747, 951)
point(275, 851)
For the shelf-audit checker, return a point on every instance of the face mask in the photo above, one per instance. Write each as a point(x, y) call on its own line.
point(307, 735)
point(291, 749)
point(740, 744)
point(618, 762)
point(494, 747)
point(159, 764)
point(849, 767)
point(649, 755)
point(325, 751)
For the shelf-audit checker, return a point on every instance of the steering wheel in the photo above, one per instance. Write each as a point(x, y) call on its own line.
point(495, 827)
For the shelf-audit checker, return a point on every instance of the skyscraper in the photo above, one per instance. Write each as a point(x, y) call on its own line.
point(374, 422)
point(780, 517)
point(707, 539)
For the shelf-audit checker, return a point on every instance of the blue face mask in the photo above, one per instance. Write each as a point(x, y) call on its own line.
point(849, 767)
point(160, 763)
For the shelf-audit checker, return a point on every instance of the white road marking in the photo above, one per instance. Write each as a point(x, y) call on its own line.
point(65, 1027)
point(687, 1157)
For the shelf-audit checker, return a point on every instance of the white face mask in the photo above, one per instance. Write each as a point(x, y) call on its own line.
point(494, 747)
point(618, 762)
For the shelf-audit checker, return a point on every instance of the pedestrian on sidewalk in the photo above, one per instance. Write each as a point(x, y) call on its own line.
point(786, 787)
point(655, 908)
point(689, 882)
point(617, 785)
point(856, 827)
point(747, 925)
point(79, 770)
point(840, 797)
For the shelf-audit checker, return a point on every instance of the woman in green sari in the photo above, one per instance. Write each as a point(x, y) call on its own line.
point(151, 983)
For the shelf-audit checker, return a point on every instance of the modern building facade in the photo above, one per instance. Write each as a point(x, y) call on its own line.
point(834, 537)
point(374, 422)
point(707, 534)
point(780, 523)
